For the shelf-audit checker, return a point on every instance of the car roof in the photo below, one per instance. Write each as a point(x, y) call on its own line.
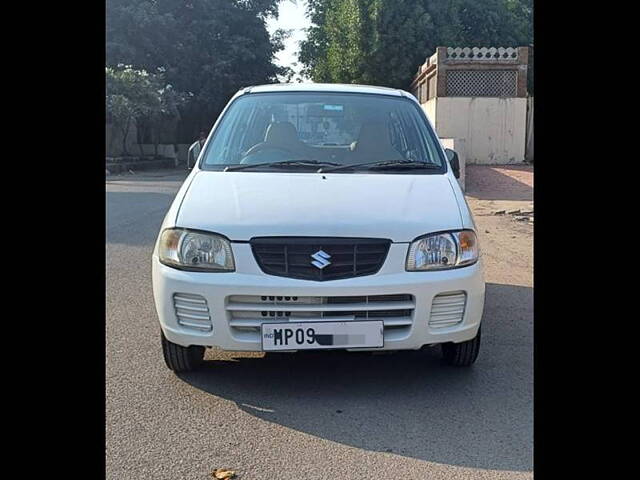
point(325, 87)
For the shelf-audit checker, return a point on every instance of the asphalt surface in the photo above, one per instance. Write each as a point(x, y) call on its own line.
point(313, 416)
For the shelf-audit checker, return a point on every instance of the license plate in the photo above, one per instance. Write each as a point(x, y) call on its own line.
point(322, 335)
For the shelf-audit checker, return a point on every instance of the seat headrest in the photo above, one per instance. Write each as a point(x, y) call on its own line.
point(281, 133)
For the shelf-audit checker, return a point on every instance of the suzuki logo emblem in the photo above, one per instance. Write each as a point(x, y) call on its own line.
point(321, 259)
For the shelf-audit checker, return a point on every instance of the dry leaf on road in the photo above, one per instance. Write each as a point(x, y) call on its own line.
point(223, 473)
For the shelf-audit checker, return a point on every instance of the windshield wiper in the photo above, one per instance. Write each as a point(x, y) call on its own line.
point(394, 164)
point(299, 162)
point(383, 164)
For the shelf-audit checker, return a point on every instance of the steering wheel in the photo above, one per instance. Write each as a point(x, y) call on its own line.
point(264, 147)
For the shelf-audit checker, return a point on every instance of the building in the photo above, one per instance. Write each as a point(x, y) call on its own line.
point(477, 98)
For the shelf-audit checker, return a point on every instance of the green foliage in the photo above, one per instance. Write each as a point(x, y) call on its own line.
point(138, 95)
point(383, 42)
point(209, 48)
point(131, 94)
point(121, 111)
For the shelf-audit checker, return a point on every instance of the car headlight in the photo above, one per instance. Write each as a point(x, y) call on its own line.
point(189, 250)
point(441, 251)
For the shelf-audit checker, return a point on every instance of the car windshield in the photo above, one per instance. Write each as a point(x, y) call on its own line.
point(304, 129)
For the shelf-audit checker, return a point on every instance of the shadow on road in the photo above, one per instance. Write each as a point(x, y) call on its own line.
point(406, 402)
point(501, 182)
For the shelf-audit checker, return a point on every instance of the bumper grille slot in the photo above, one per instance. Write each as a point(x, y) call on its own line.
point(292, 256)
point(447, 309)
point(250, 311)
point(192, 311)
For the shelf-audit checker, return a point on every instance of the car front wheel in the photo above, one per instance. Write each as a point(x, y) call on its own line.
point(179, 358)
point(461, 354)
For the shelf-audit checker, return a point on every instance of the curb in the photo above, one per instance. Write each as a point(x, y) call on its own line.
point(123, 167)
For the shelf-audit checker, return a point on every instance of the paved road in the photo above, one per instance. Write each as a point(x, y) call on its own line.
point(332, 416)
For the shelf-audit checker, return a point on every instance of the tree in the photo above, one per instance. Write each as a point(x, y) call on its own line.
point(209, 48)
point(121, 111)
point(136, 95)
point(383, 42)
point(130, 95)
point(166, 108)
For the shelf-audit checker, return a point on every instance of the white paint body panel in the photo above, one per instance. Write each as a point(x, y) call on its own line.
point(242, 205)
point(248, 279)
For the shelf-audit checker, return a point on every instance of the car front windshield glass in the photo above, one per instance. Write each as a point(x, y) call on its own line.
point(336, 128)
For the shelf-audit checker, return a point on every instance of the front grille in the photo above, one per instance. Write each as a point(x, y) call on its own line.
point(251, 311)
point(192, 311)
point(447, 309)
point(294, 257)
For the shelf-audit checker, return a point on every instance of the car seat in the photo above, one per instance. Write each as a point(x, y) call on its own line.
point(374, 143)
point(280, 135)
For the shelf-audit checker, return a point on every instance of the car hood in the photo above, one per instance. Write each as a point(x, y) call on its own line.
point(242, 205)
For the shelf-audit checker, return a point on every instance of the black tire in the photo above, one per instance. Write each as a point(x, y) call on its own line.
point(181, 359)
point(461, 354)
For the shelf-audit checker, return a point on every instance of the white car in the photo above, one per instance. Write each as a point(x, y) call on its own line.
point(317, 217)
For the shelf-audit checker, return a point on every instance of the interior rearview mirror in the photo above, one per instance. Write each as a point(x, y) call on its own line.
point(453, 160)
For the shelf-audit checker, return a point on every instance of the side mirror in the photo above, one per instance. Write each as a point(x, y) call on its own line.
point(453, 160)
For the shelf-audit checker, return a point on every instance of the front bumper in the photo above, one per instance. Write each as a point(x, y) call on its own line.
point(248, 279)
